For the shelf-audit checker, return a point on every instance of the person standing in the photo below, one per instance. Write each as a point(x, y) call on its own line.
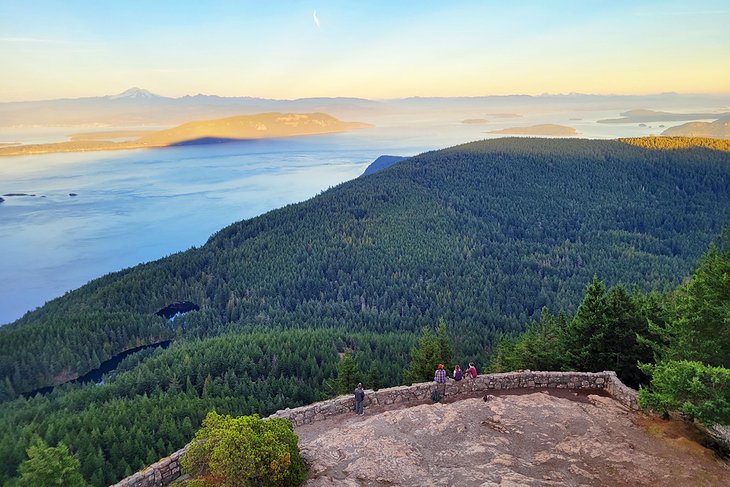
point(359, 399)
point(471, 374)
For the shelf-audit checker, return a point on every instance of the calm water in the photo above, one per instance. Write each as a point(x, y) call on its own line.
point(137, 206)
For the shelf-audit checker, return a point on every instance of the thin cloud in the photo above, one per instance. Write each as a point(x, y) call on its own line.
point(315, 18)
point(31, 40)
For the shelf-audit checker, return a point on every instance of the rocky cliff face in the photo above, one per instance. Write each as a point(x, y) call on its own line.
point(533, 439)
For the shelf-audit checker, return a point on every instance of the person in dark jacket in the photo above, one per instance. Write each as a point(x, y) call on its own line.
point(359, 399)
point(457, 372)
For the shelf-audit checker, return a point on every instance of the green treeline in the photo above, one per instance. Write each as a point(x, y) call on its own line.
point(482, 236)
point(675, 346)
point(157, 402)
point(602, 335)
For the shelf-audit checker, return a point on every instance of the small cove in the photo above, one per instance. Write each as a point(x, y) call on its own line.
point(95, 376)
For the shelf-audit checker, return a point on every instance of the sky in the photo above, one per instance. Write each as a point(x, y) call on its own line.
point(371, 49)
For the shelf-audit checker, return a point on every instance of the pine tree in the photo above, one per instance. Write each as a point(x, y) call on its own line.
point(50, 466)
point(586, 333)
point(430, 351)
point(443, 342)
point(348, 374)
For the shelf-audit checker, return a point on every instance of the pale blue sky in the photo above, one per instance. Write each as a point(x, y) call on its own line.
point(51, 49)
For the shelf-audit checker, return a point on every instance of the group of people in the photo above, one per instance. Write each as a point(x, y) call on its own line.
point(440, 375)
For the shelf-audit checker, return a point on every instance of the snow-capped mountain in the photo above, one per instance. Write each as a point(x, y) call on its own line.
point(134, 93)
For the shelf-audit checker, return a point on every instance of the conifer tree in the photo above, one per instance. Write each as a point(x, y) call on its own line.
point(50, 466)
point(348, 374)
point(430, 351)
point(586, 333)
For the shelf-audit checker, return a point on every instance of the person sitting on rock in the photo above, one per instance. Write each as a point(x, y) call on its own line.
point(440, 376)
point(440, 379)
point(457, 372)
point(471, 372)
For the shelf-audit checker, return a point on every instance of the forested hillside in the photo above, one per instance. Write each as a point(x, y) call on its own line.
point(483, 235)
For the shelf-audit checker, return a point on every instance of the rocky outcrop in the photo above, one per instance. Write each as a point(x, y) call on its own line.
point(166, 470)
point(554, 437)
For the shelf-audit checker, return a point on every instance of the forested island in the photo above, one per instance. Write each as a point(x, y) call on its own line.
point(481, 237)
point(242, 127)
point(542, 129)
point(720, 129)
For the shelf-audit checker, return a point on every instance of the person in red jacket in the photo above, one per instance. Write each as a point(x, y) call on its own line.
point(471, 372)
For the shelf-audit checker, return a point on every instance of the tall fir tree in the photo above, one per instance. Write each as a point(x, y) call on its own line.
point(348, 374)
point(50, 466)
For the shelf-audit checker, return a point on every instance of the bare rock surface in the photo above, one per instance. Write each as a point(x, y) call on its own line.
point(535, 439)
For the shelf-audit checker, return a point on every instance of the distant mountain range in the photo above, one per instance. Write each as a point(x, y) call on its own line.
point(138, 107)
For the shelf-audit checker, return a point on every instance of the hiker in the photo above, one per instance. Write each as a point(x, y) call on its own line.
point(440, 376)
point(471, 372)
point(359, 399)
point(440, 379)
point(457, 372)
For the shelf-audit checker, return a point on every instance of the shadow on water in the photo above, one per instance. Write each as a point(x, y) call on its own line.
point(207, 140)
point(96, 375)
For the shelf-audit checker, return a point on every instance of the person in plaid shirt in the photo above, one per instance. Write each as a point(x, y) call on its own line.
point(440, 375)
point(440, 379)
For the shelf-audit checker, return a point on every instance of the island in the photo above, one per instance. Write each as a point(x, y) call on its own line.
point(110, 134)
point(243, 127)
point(542, 129)
point(475, 121)
point(381, 163)
point(719, 129)
point(636, 116)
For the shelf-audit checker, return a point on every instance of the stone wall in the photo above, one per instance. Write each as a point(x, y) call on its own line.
point(166, 470)
point(158, 474)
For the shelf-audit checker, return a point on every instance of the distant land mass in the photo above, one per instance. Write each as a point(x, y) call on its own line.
point(381, 163)
point(109, 135)
point(643, 116)
point(542, 129)
point(137, 107)
point(719, 129)
point(474, 121)
point(243, 127)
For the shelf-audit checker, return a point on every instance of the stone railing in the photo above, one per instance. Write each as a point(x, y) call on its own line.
point(166, 470)
point(483, 383)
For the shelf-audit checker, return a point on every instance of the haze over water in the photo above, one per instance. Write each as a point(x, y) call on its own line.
point(141, 205)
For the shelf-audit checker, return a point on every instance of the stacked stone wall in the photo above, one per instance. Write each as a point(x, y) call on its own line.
point(165, 471)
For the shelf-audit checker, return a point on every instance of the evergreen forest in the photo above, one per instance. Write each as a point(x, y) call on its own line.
point(580, 243)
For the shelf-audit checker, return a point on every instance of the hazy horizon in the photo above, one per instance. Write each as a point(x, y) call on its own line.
point(485, 95)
